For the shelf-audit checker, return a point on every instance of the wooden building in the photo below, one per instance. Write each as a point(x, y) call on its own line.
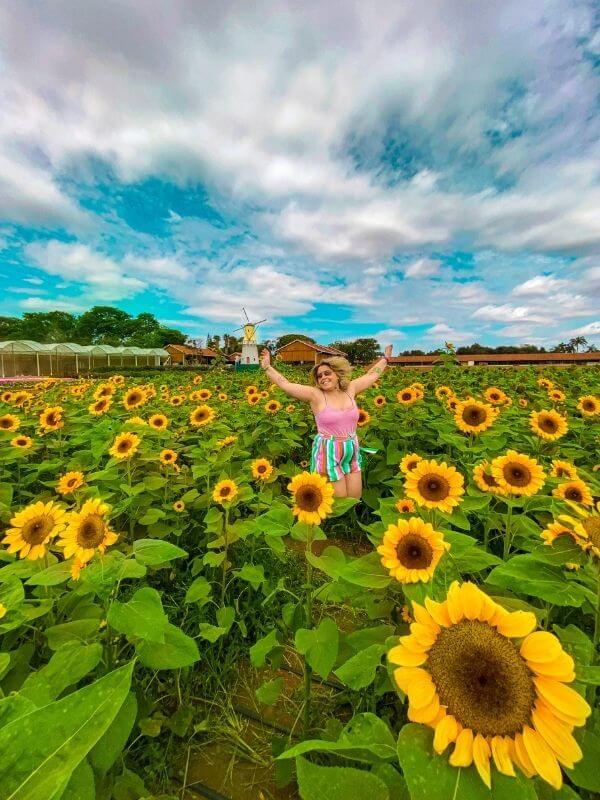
point(299, 351)
point(503, 359)
point(190, 356)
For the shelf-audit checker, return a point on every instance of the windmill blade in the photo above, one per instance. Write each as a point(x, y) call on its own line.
point(246, 315)
point(259, 321)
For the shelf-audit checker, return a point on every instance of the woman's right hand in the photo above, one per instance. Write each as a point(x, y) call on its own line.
point(265, 358)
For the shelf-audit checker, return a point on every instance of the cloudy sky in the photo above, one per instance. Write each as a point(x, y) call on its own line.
point(415, 171)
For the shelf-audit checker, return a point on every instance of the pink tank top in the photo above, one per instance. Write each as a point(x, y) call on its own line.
point(337, 422)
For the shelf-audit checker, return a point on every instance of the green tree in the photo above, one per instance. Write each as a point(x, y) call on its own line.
point(104, 325)
point(360, 351)
point(289, 337)
point(10, 328)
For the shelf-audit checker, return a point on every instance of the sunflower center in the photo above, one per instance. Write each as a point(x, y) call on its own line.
point(124, 446)
point(474, 415)
point(225, 490)
point(5, 423)
point(406, 395)
point(308, 498)
point(433, 487)
point(516, 474)
point(574, 493)
point(548, 424)
point(481, 678)
point(589, 405)
point(51, 419)
point(489, 480)
point(37, 529)
point(261, 469)
point(561, 472)
point(414, 552)
point(91, 531)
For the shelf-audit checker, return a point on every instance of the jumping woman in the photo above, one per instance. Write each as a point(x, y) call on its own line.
point(335, 451)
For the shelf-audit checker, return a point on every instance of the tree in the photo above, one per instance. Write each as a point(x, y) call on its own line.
point(47, 326)
point(10, 328)
point(577, 342)
point(289, 337)
point(104, 325)
point(360, 351)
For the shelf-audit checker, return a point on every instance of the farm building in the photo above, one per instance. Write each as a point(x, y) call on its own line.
point(502, 359)
point(300, 352)
point(190, 356)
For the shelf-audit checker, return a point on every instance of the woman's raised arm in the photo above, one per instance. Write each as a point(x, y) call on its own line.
point(373, 374)
point(297, 390)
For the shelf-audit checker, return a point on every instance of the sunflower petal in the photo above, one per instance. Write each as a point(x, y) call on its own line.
point(446, 731)
point(501, 756)
point(481, 757)
point(515, 624)
point(541, 646)
point(462, 755)
point(562, 697)
point(542, 757)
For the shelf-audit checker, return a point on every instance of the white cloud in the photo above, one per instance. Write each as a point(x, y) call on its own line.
point(72, 306)
point(540, 285)
point(423, 268)
point(389, 335)
point(593, 329)
point(508, 313)
point(443, 331)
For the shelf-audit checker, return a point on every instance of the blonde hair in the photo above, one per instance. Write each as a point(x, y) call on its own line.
point(340, 365)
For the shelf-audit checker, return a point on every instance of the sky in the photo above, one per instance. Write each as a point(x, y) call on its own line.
point(412, 171)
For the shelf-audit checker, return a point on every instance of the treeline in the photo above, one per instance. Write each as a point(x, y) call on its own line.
point(99, 325)
point(576, 345)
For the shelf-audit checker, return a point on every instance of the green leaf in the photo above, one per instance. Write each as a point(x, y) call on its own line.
point(576, 643)
point(198, 591)
point(342, 504)
point(151, 516)
point(151, 552)
point(213, 559)
point(81, 784)
point(276, 522)
point(52, 576)
point(319, 645)
point(12, 593)
point(337, 783)
point(67, 666)
point(79, 630)
point(526, 575)
point(365, 637)
point(586, 774)
point(41, 749)
point(268, 692)
point(332, 561)
point(111, 744)
point(177, 650)
point(141, 617)
point(264, 647)
point(367, 572)
point(14, 707)
point(359, 671)
point(155, 482)
point(254, 574)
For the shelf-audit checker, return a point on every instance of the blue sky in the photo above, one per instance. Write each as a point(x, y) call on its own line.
point(415, 172)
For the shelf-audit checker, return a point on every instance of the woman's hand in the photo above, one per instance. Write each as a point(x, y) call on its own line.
point(388, 351)
point(265, 358)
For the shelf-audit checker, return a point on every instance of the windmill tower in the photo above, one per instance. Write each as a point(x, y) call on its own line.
point(249, 346)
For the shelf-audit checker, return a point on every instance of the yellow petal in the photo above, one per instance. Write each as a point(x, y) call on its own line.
point(406, 676)
point(472, 600)
point(424, 634)
point(541, 646)
point(423, 617)
point(462, 755)
point(425, 715)
point(500, 753)
point(521, 757)
point(439, 612)
point(562, 697)
point(542, 757)
point(561, 669)
point(515, 624)
point(406, 658)
point(446, 731)
point(454, 604)
point(481, 757)
point(558, 736)
point(421, 693)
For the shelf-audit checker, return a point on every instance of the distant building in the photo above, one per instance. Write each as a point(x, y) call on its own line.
point(190, 356)
point(299, 351)
point(501, 359)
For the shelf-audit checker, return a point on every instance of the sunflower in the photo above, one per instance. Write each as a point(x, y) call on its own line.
point(523, 402)
point(168, 457)
point(363, 417)
point(379, 400)
point(177, 400)
point(556, 395)
point(411, 550)
point(134, 398)
point(22, 399)
point(104, 390)
point(490, 696)
point(51, 418)
point(253, 399)
point(204, 394)
point(435, 485)
point(549, 425)
point(304, 464)
point(6, 397)
point(544, 383)
point(577, 491)
point(69, 482)
point(272, 407)
point(452, 402)
point(158, 421)
point(443, 391)
point(589, 405)
point(201, 415)
point(264, 393)
point(485, 480)
point(555, 529)
point(222, 396)
point(251, 390)
point(518, 474)
point(261, 468)
point(117, 380)
point(418, 385)
point(472, 416)
point(407, 397)
point(197, 379)
point(22, 442)
point(405, 506)
point(495, 396)
point(33, 528)
point(136, 421)
point(312, 496)
point(409, 462)
point(224, 492)
point(9, 422)
point(226, 441)
point(564, 469)
point(289, 408)
point(124, 446)
point(179, 506)
point(87, 531)
point(586, 526)
point(100, 406)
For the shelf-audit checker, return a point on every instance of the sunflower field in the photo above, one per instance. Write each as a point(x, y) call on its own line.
point(186, 611)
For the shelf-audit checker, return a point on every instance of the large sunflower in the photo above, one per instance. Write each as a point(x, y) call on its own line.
point(33, 528)
point(125, 445)
point(159, 422)
point(407, 396)
point(471, 416)
point(225, 491)
point(491, 685)
point(69, 482)
point(51, 418)
point(363, 417)
point(549, 425)
point(312, 495)
point(485, 480)
point(517, 473)
point(201, 415)
point(411, 550)
point(135, 398)
point(556, 529)
point(87, 531)
point(261, 468)
point(435, 485)
point(253, 399)
point(589, 405)
point(409, 462)
point(9, 422)
point(576, 491)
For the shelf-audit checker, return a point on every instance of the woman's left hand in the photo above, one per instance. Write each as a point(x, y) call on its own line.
point(388, 351)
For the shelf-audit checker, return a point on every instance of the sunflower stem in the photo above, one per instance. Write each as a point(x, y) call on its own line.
point(224, 573)
point(507, 532)
point(309, 624)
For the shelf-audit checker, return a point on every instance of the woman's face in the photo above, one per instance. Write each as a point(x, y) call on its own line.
point(326, 378)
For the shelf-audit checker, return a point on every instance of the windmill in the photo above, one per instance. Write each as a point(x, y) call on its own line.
point(249, 347)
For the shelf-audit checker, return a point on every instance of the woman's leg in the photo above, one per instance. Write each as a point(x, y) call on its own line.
point(339, 487)
point(354, 484)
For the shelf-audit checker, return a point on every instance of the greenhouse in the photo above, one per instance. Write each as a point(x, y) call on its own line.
point(65, 359)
